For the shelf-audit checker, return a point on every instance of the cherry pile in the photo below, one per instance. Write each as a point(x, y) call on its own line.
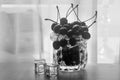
point(71, 31)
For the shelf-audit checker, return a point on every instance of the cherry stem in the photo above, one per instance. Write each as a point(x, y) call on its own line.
point(91, 17)
point(50, 20)
point(91, 24)
point(71, 11)
point(96, 16)
point(93, 21)
point(76, 14)
point(58, 11)
point(77, 11)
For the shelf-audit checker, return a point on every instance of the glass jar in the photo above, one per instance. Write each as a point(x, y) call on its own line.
point(72, 55)
point(68, 44)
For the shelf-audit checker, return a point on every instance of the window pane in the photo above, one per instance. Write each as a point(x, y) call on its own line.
point(108, 49)
point(16, 36)
point(108, 31)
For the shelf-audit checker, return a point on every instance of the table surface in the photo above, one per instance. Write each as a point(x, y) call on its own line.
point(25, 71)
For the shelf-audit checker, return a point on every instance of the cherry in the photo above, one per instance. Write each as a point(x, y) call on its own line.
point(85, 29)
point(63, 21)
point(86, 35)
point(56, 44)
point(70, 33)
point(68, 26)
point(80, 32)
point(78, 23)
point(75, 28)
point(56, 29)
point(53, 25)
point(82, 24)
point(72, 41)
point(65, 50)
point(75, 23)
point(63, 42)
point(63, 30)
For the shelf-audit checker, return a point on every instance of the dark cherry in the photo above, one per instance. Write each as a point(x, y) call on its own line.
point(65, 50)
point(63, 42)
point(56, 29)
point(85, 29)
point(82, 24)
point(63, 21)
point(75, 28)
point(68, 26)
point(80, 31)
point(70, 33)
point(56, 44)
point(63, 30)
point(72, 41)
point(86, 35)
point(75, 23)
point(78, 23)
point(53, 25)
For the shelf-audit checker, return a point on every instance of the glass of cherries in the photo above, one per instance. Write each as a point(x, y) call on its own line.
point(69, 40)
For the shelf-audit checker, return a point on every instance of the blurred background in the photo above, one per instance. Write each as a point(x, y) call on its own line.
point(25, 35)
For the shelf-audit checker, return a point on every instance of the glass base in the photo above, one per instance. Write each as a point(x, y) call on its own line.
point(71, 68)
